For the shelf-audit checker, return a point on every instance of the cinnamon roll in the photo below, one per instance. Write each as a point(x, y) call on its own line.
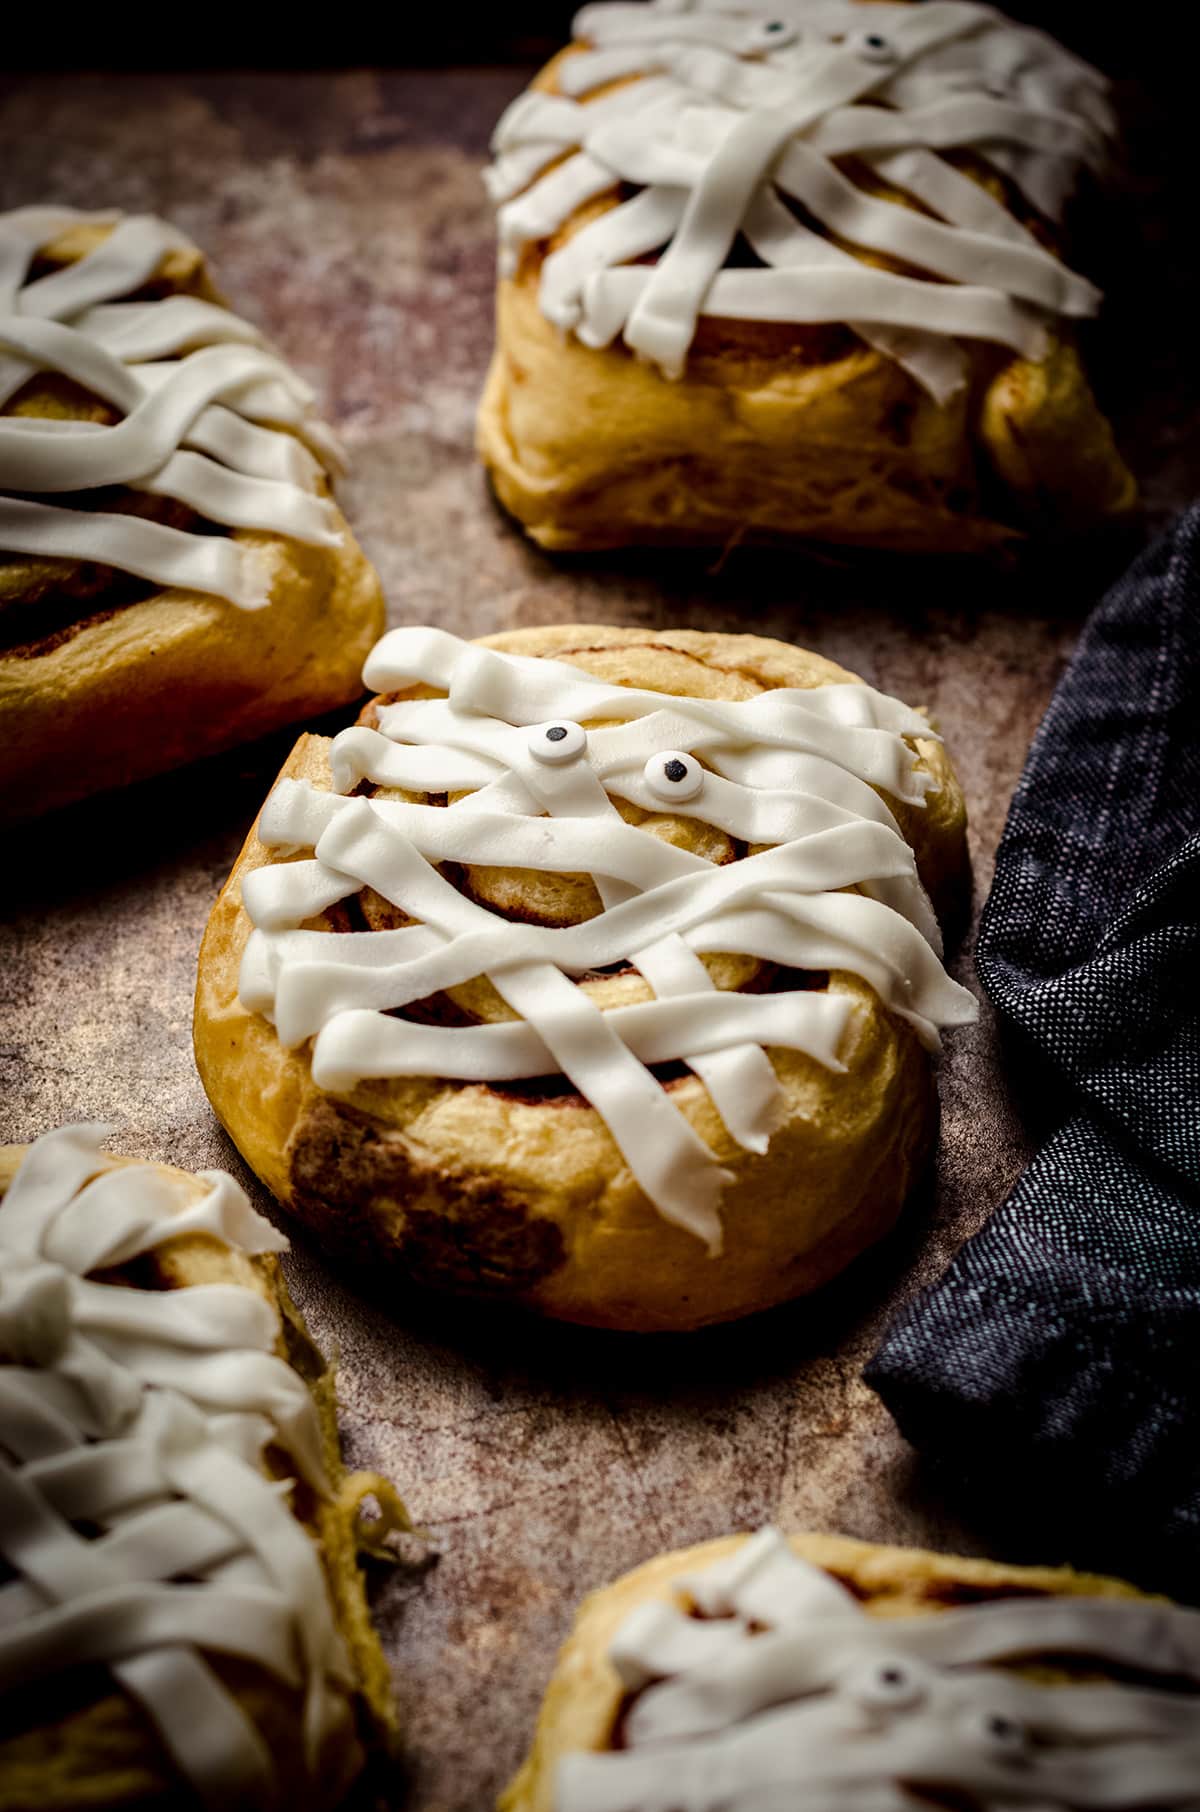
point(595, 969)
point(175, 577)
point(182, 1617)
point(760, 1673)
point(798, 270)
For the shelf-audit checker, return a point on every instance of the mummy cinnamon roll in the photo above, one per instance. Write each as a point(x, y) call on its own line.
point(182, 1619)
point(174, 574)
point(758, 1674)
point(797, 270)
point(596, 969)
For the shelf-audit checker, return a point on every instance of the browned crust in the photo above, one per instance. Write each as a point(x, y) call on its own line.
point(79, 1744)
point(487, 1192)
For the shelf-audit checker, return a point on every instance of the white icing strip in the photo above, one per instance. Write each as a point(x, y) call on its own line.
point(773, 232)
point(80, 458)
point(726, 102)
point(240, 502)
point(800, 721)
point(671, 1030)
point(618, 237)
point(795, 1692)
point(189, 380)
point(792, 769)
point(816, 296)
point(138, 331)
point(169, 557)
point(1012, 267)
point(953, 124)
point(143, 1417)
point(123, 261)
point(542, 209)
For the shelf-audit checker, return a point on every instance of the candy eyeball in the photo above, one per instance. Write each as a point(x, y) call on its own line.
point(873, 47)
point(557, 742)
point(888, 1685)
point(1000, 1735)
point(673, 776)
point(769, 34)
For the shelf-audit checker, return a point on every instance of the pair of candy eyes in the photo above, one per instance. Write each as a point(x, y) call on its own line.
point(894, 1686)
point(872, 47)
point(774, 34)
point(670, 775)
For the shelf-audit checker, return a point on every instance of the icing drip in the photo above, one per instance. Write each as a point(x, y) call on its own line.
point(726, 114)
point(792, 769)
point(210, 416)
point(795, 1695)
point(142, 1417)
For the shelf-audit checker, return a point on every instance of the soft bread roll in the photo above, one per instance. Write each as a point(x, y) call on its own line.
point(594, 1689)
point(107, 677)
point(517, 1189)
point(75, 1739)
point(793, 426)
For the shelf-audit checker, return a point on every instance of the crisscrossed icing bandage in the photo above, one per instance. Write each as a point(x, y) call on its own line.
point(785, 1692)
point(142, 1417)
point(208, 415)
point(792, 770)
point(734, 125)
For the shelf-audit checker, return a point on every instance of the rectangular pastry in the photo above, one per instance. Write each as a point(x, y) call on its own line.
point(797, 270)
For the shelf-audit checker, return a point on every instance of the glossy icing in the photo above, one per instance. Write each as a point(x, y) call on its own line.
point(791, 769)
point(139, 1527)
point(785, 1692)
point(733, 122)
point(208, 416)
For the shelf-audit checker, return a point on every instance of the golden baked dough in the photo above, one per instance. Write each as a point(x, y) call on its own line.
point(521, 1193)
point(106, 680)
point(77, 1743)
point(776, 430)
point(584, 1698)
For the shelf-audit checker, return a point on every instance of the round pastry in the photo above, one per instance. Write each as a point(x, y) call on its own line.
point(758, 1674)
point(174, 575)
point(182, 1617)
point(594, 969)
point(781, 271)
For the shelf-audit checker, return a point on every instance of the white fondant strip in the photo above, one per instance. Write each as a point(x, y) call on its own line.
point(149, 550)
point(240, 502)
point(187, 379)
point(818, 295)
point(775, 234)
point(669, 1030)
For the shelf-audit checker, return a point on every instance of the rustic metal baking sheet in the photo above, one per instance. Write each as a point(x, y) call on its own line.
point(345, 213)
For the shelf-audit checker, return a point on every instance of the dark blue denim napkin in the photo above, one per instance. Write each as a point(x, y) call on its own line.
point(1056, 1364)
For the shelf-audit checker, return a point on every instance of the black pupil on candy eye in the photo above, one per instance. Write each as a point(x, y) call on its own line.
point(1001, 1727)
point(876, 42)
point(775, 25)
point(674, 770)
point(892, 1676)
point(555, 733)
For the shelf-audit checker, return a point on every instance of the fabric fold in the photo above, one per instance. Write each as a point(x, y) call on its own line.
point(1057, 1361)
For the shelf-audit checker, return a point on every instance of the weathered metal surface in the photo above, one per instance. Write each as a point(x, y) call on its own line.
point(344, 212)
